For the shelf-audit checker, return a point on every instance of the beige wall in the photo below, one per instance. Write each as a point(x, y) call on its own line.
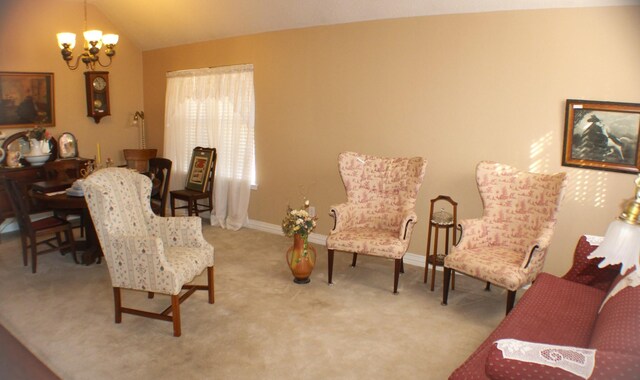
point(28, 44)
point(455, 89)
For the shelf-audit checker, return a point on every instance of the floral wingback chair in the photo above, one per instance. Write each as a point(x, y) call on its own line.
point(144, 251)
point(508, 245)
point(379, 214)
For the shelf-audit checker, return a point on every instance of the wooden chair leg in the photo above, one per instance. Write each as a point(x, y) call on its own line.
point(173, 206)
point(396, 275)
point(330, 265)
point(488, 287)
point(445, 285)
point(402, 265)
point(355, 258)
point(453, 280)
point(210, 288)
point(34, 254)
point(25, 251)
point(72, 244)
point(118, 304)
point(511, 299)
point(175, 314)
point(433, 271)
point(150, 295)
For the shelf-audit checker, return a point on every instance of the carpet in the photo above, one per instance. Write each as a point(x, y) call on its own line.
point(262, 326)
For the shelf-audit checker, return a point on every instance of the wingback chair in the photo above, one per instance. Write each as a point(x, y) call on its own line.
point(144, 251)
point(379, 214)
point(508, 245)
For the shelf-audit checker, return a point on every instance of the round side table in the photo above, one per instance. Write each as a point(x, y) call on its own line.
point(440, 220)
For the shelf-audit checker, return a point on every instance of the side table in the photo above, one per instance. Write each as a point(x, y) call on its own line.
point(440, 220)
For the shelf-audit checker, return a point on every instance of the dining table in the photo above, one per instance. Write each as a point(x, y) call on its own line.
point(59, 199)
point(56, 195)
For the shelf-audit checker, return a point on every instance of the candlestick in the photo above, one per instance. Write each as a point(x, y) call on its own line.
point(98, 158)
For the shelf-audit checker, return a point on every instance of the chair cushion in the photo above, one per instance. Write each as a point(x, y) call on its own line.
point(498, 265)
point(187, 262)
point(374, 242)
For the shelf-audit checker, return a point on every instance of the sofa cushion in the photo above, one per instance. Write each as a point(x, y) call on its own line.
point(553, 311)
point(618, 324)
point(608, 366)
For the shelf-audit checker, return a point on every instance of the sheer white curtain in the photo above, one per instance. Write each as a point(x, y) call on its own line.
point(214, 107)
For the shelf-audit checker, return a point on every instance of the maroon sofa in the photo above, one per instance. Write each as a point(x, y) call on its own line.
point(565, 312)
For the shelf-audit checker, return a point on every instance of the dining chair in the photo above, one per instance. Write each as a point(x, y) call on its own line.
point(38, 233)
point(143, 251)
point(160, 169)
point(193, 197)
point(379, 215)
point(507, 246)
point(138, 159)
point(67, 170)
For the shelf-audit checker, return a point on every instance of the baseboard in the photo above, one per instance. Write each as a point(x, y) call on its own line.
point(409, 258)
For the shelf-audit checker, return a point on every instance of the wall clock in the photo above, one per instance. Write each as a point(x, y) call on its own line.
point(97, 85)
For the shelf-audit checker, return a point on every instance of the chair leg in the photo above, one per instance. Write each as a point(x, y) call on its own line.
point(34, 254)
point(150, 295)
point(396, 275)
point(433, 272)
point(72, 243)
point(118, 304)
point(511, 299)
point(173, 206)
point(402, 265)
point(355, 258)
point(25, 252)
point(210, 283)
point(453, 280)
point(175, 314)
point(330, 261)
point(488, 287)
point(192, 208)
point(445, 285)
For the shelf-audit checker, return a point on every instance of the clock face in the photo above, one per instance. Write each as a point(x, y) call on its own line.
point(99, 84)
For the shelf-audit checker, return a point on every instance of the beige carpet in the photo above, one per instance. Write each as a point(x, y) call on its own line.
point(262, 326)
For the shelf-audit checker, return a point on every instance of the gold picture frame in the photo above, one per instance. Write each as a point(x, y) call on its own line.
point(26, 99)
point(602, 136)
point(199, 168)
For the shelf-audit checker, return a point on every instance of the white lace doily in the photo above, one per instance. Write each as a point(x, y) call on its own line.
point(579, 361)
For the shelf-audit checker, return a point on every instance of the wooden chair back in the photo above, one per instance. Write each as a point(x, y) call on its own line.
point(160, 169)
point(139, 158)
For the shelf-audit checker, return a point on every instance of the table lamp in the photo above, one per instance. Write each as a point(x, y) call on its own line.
point(621, 244)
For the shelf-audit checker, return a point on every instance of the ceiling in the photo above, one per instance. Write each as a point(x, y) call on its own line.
point(154, 24)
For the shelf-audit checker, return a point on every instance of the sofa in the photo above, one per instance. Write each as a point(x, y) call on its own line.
point(567, 328)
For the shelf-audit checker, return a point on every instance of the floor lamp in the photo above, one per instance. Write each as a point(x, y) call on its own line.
point(138, 121)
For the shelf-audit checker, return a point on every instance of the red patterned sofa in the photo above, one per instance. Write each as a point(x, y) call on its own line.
point(564, 317)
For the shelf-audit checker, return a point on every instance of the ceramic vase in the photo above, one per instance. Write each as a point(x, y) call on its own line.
point(301, 258)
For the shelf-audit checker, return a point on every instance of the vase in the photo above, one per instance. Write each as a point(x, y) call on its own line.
point(38, 147)
point(301, 258)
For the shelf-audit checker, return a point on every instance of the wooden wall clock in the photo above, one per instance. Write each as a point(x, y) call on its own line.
point(97, 85)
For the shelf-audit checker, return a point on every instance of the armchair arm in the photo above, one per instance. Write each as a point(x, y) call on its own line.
point(185, 231)
point(473, 234)
point(409, 219)
point(343, 216)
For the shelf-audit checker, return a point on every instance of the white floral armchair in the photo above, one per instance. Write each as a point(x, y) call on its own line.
point(508, 245)
point(379, 214)
point(144, 251)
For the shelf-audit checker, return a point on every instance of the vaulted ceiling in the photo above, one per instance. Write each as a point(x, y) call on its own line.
point(153, 24)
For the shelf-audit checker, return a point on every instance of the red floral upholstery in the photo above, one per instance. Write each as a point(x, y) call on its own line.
point(508, 245)
point(379, 214)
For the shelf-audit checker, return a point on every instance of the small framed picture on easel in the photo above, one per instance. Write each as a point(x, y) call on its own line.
point(199, 169)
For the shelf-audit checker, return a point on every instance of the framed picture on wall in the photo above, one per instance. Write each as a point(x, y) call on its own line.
point(201, 161)
point(602, 135)
point(26, 99)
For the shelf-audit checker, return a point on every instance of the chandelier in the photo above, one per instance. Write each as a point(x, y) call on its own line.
point(94, 40)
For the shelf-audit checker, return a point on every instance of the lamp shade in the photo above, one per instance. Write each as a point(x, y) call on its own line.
point(93, 35)
point(621, 245)
point(110, 39)
point(66, 38)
